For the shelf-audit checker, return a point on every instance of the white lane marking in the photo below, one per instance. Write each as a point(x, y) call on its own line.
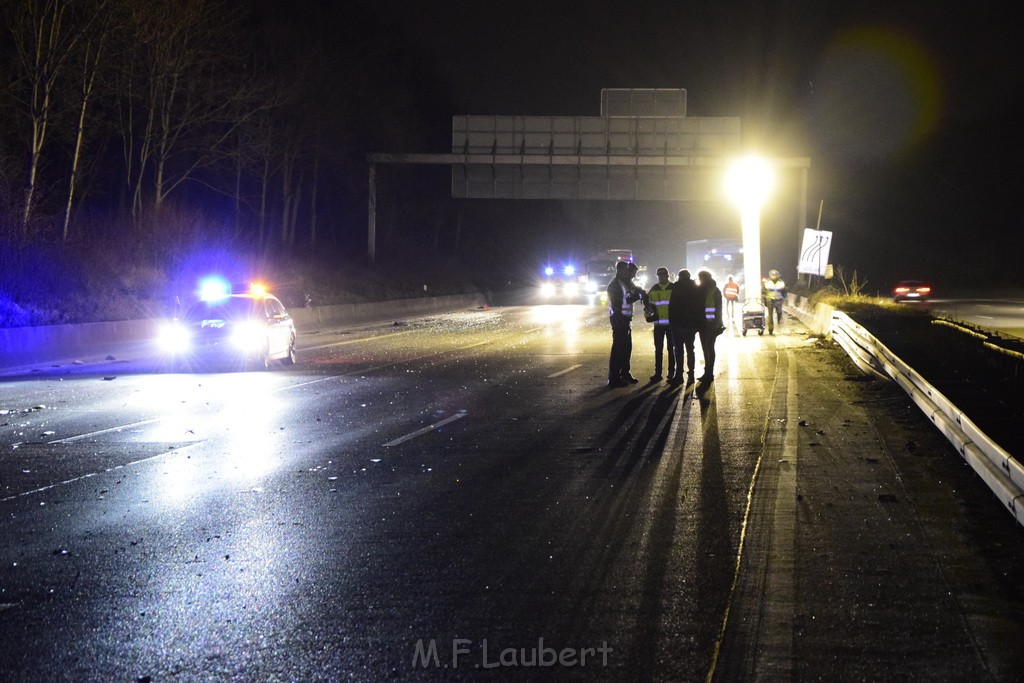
point(93, 474)
point(426, 430)
point(567, 370)
point(276, 390)
point(353, 341)
point(104, 431)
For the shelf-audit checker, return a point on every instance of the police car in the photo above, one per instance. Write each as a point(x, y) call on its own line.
point(249, 329)
point(561, 285)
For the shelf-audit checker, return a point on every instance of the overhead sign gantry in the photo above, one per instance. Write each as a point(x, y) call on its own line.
point(643, 147)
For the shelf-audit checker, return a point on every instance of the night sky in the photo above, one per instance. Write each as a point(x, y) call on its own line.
point(907, 110)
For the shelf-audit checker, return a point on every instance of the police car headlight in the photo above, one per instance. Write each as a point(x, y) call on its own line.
point(547, 289)
point(249, 335)
point(571, 289)
point(174, 338)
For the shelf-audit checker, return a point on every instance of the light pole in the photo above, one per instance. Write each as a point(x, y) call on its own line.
point(748, 183)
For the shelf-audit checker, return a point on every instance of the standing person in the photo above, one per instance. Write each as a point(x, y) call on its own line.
point(773, 293)
point(711, 325)
point(659, 296)
point(731, 294)
point(638, 291)
point(621, 295)
point(685, 315)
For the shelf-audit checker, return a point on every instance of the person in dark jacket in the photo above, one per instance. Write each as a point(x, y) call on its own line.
point(711, 325)
point(685, 316)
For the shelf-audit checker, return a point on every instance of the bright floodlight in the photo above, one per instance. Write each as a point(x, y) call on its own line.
point(749, 181)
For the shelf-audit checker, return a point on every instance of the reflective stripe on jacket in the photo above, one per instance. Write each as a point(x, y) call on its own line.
point(618, 299)
point(660, 297)
point(774, 291)
point(731, 290)
point(712, 303)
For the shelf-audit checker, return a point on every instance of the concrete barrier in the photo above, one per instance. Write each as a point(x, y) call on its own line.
point(23, 345)
point(51, 343)
point(316, 318)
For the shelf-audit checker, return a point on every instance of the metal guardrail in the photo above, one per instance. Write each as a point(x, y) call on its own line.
point(998, 469)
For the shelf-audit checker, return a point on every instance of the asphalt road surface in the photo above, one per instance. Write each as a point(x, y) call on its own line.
point(997, 314)
point(460, 496)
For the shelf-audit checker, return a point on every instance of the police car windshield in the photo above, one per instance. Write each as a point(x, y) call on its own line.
point(231, 308)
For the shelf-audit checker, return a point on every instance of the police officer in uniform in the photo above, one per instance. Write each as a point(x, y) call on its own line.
point(621, 295)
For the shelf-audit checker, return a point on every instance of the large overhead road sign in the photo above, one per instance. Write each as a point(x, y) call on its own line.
point(581, 157)
point(642, 148)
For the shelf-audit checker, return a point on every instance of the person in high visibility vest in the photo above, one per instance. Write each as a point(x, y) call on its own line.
point(712, 325)
point(622, 293)
point(659, 296)
point(773, 293)
point(731, 294)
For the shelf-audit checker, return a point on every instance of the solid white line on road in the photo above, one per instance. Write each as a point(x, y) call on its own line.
point(567, 370)
point(426, 430)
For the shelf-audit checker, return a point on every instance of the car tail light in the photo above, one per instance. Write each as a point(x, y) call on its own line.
point(902, 290)
point(923, 290)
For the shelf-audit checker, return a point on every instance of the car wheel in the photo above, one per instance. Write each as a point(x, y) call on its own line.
point(291, 357)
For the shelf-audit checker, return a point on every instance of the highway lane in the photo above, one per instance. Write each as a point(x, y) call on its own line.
point(466, 483)
point(997, 314)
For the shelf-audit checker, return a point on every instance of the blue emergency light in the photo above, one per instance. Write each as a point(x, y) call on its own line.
point(214, 288)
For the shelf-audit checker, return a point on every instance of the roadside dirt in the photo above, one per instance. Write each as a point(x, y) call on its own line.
point(986, 385)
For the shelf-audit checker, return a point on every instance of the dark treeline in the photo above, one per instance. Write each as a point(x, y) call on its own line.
point(154, 121)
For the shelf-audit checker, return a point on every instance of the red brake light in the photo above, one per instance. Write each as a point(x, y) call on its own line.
point(923, 290)
point(902, 290)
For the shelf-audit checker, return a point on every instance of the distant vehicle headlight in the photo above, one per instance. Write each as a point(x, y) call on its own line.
point(547, 289)
point(174, 338)
point(249, 335)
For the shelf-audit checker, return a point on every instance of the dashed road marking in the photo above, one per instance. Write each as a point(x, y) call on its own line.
point(567, 370)
point(427, 429)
